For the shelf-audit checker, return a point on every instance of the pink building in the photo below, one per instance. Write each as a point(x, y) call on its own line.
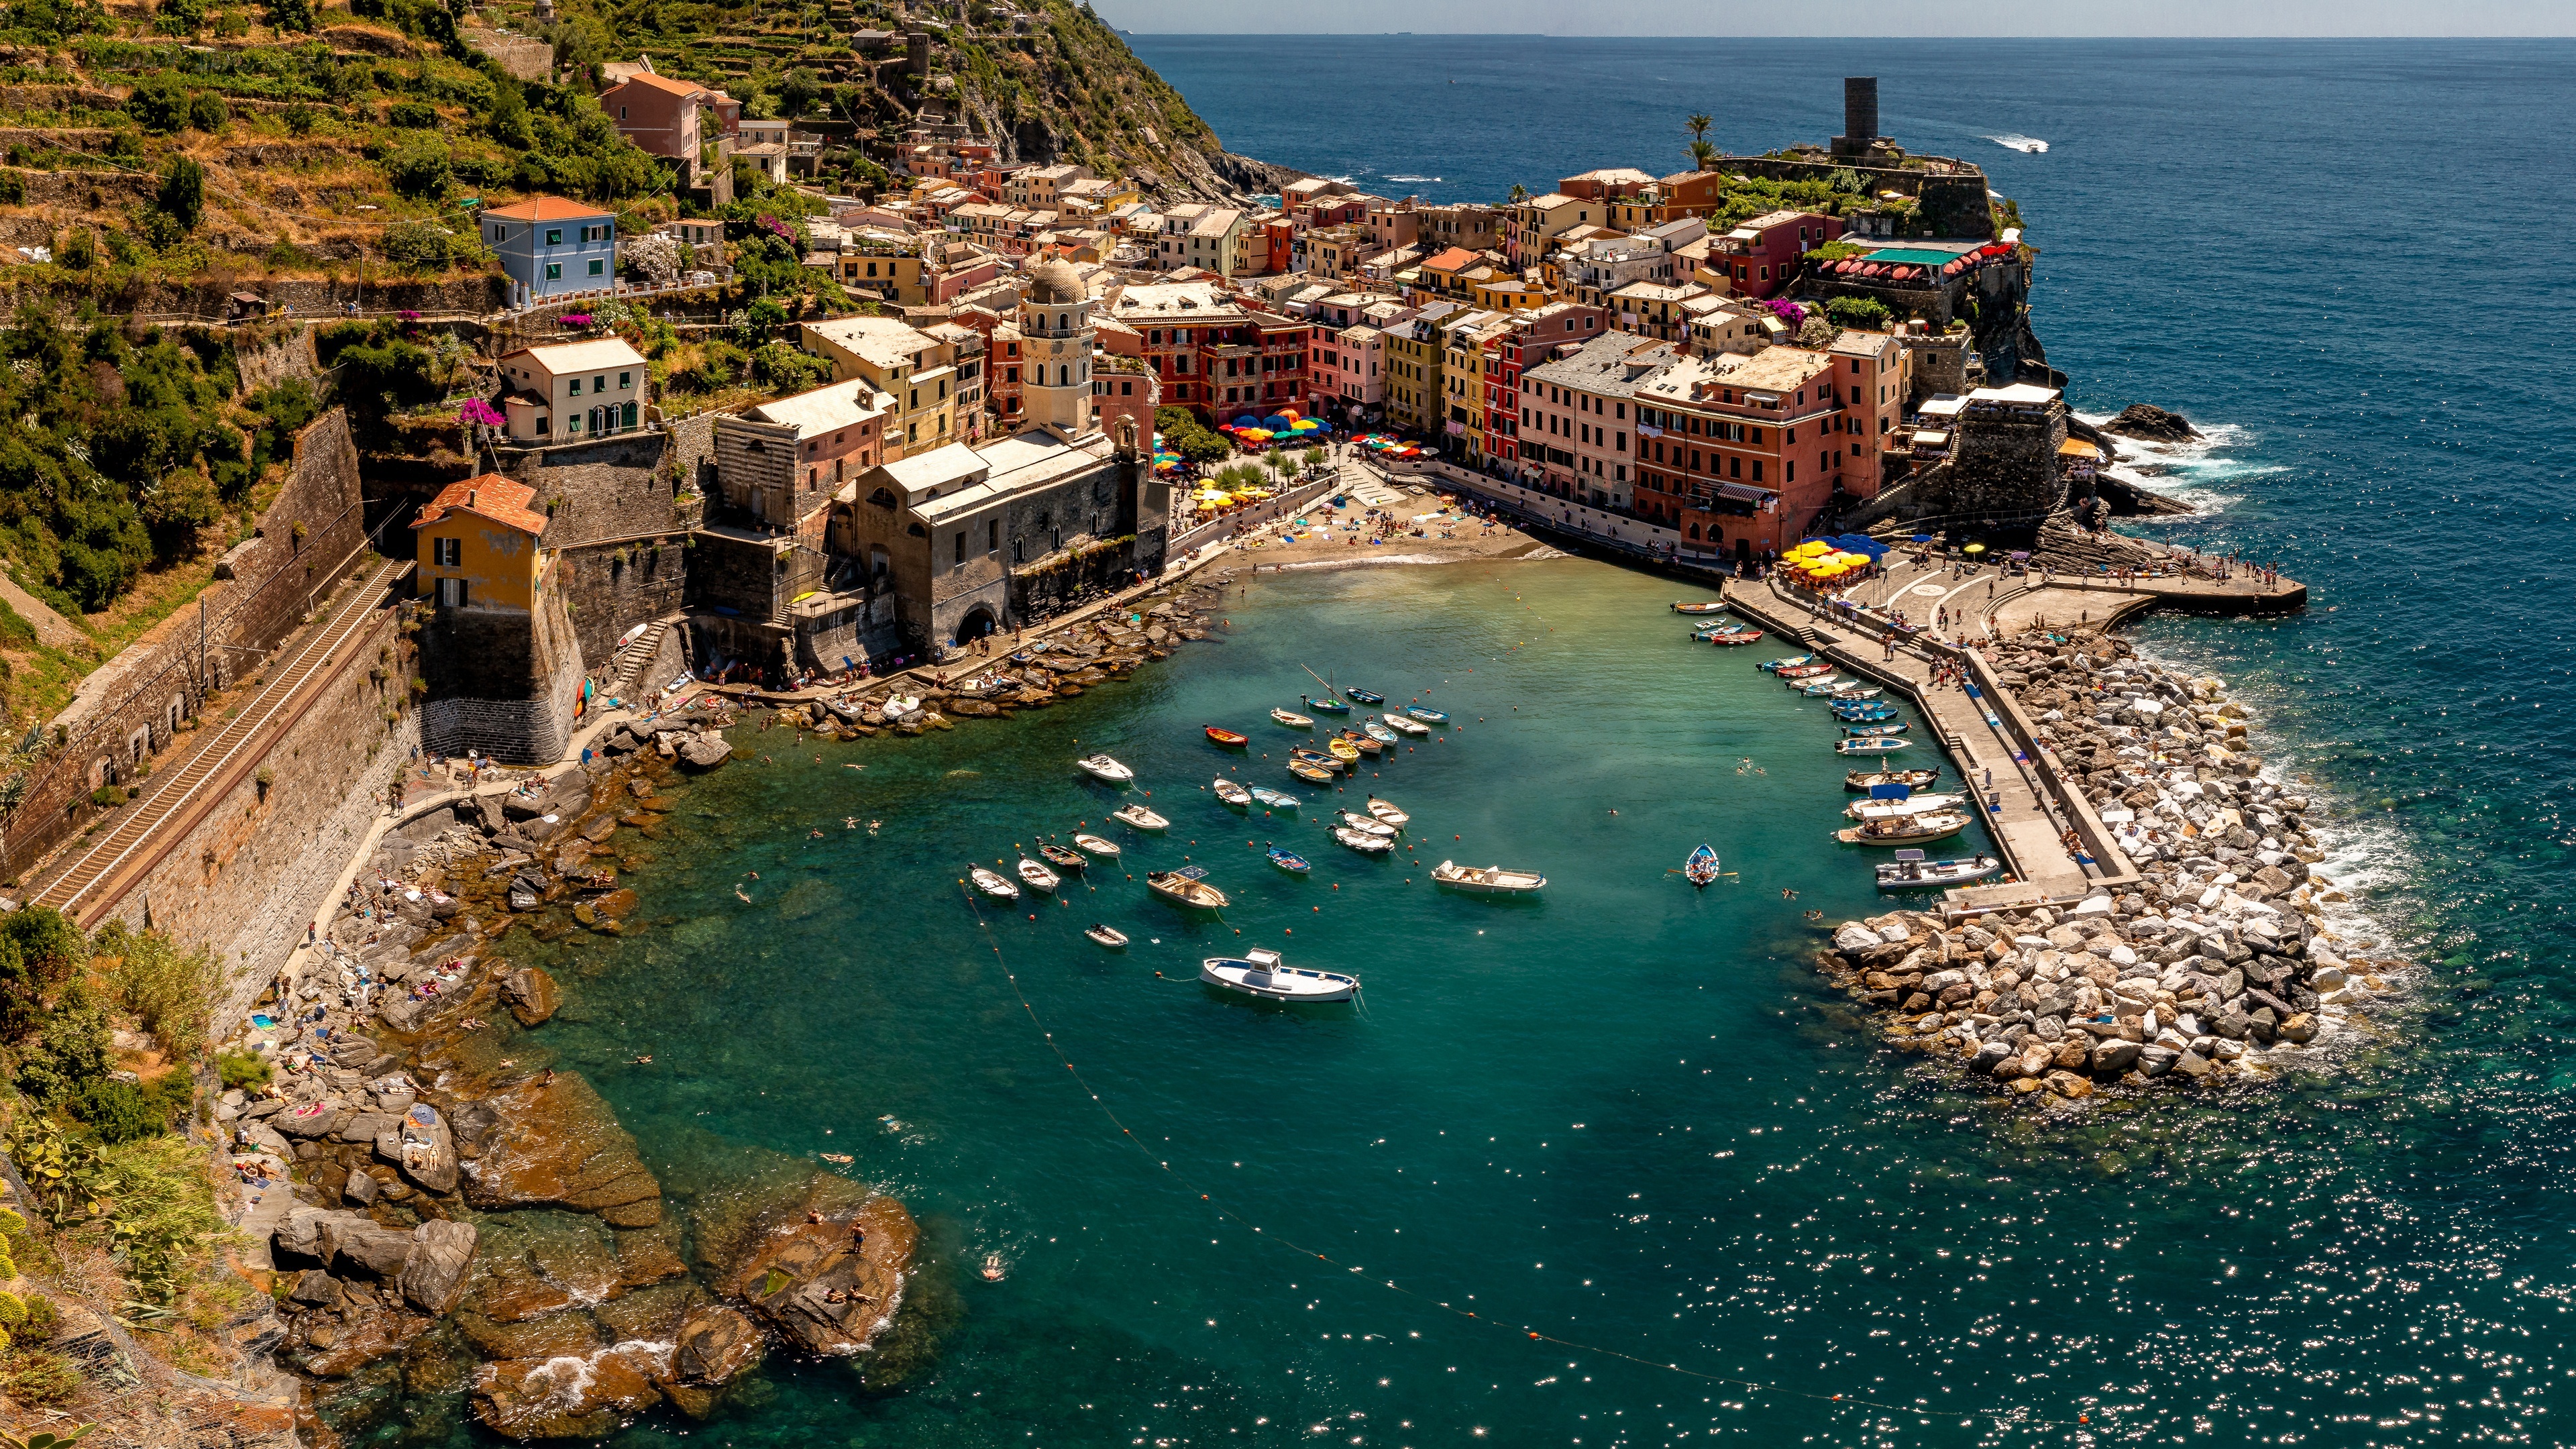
point(1577, 416)
point(1348, 370)
point(1759, 255)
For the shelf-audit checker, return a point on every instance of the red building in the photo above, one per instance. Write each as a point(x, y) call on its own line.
point(1761, 254)
point(1278, 238)
point(1536, 340)
point(1209, 350)
point(1744, 453)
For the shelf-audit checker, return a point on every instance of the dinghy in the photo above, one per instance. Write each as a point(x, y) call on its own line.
point(1141, 818)
point(1232, 793)
point(1365, 696)
point(1862, 780)
point(1803, 671)
point(992, 883)
point(1911, 830)
point(1865, 731)
point(1428, 716)
point(1774, 666)
point(1101, 767)
point(1864, 692)
point(1819, 688)
point(1867, 713)
point(1038, 876)
point(1362, 842)
point(1293, 720)
point(1258, 973)
point(1899, 809)
point(1228, 738)
point(1342, 750)
point(1324, 706)
point(1318, 759)
point(1701, 867)
point(1749, 636)
point(1105, 849)
point(1385, 810)
point(1377, 730)
point(1275, 799)
point(1067, 859)
point(1874, 745)
point(1109, 936)
point(1698, 608)
point(1490, 880)
point(1402, 725)
point(1311, 774)
point(1911, 871)
point(1289, 860)
point(1186, 887)
point(1366, 824)
point(1369, 748)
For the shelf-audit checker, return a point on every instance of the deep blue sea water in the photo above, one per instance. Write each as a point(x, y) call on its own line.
point(1625, 1117)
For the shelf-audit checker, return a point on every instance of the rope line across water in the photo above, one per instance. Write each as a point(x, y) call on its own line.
point(2003, 1417)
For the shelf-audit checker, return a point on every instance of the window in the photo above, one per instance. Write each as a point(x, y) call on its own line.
point(626, 380)
point(446, 553)
point(554, 236)
point(961, 546)
point(554, 271)
point(993, 536)
point(575, 385)
point(451, 593)
point(598, 266)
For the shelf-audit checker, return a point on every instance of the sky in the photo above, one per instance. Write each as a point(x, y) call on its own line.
point(2143, 18)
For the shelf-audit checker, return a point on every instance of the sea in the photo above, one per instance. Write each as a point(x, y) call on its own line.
point(1610, 1166)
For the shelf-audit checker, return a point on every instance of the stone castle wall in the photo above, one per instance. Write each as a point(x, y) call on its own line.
point(502, 683)
point(262, 862)
point(610, 588)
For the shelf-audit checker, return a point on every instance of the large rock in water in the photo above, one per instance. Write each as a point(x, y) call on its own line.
point(557, 1145)
point(704, 751)
point(433, 1277)
point(2146, 420)
point(824, 1288)
point(533, 995)
point(569, 1397)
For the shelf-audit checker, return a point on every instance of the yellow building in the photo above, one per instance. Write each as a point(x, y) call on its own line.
point(1463, 359)
point(1504, 292)
point(917, 370)
point(477, 545)
point(1413, 368)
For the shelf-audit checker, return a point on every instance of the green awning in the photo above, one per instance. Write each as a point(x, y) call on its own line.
point(1908, 256)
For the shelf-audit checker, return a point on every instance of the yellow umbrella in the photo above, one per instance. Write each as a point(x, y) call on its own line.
point(1812, 549)
point(1206, 507)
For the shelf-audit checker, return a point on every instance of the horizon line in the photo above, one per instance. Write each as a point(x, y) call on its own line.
point(1911, 39)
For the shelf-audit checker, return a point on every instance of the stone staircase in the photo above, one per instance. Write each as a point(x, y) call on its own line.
point(632, 659)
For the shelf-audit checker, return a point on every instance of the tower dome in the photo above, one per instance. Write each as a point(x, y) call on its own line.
point(1054, 282)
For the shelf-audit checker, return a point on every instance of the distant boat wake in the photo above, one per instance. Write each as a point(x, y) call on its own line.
point(2027, 145)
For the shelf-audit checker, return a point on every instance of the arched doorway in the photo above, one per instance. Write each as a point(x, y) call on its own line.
point(979, 621)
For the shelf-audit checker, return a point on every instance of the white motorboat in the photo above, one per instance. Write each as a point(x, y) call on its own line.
point(1869, 745)
point(1491, 880)
point(1109, 936)
point(1101, 767)
point(1038, 876)
point(1096, 845)
point(1385, 810)
point(1403, 724)
point(1910, 871)
point(1141, 818)
point(1366, 825)
point(1187, 886)
point(1258, 972)
point(1363, 842)
point(1275, 799)
point(1231, 793)
point(1293, 720)
point(992, 883)
point(1899, 809)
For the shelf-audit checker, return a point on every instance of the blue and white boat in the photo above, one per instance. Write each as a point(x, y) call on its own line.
point(1870, 745)
point(1258, 972)
point(1365, 696)
point(1701, 867)
point(1326, 705)
point(1911, 872)
point(1859, 731)
point(1428, 716)
point(1275, 799)
point(1774, 666)
point(1289, 860)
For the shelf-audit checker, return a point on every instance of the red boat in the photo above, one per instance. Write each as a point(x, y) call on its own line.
point(1747, 637)
point(1228, 737)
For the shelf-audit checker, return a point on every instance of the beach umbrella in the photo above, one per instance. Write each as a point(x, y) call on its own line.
point(1974, 548)
point(1206, 507)
point(1258, 435)
point(1246, 421)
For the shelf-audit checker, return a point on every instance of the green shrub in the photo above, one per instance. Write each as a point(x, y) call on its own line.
point(183, 192)
point(782, 368)
point(419, 168)
point(291, 15)
point(412, 116)
point(158, 105)
point(118, 1111)
point(206, 112)
point(107, 797)
point(170, 990)
point(40, 1379)
point(300, 119)
point(1867, 314)
point(179, 17)
point(244, 1071)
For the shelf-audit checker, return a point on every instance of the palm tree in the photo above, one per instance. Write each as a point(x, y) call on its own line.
point(1703, 154)
point(1699, 125)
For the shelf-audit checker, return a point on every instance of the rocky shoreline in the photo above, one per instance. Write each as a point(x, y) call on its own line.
point(2218, 964)
point(465, 1229)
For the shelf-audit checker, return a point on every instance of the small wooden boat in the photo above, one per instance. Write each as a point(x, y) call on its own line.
point(1289, 860)
point(1864, 731)
point(1867, 713)
point(1873, 745)
point(1402, 725)
point(1912, 830)
point(1428, 716)
point(1363, 842)
point(1701, 866)
point(1910, 871)
point(1365, 696)
point(1068, 859)
point(1324, 706)
point(1232, 793)
point(1186, 887)
point(1819, 688)
point(1039, 878)
point(1366, 824)
point(1257, 972)
point(1141, 818)
point(1774, 666)
point(1109, 936)
point(1342, 750)
point(1862, 780)
point(1369, 747)
point(1101, 767)
point(1275, 799)
point(1803, 671)
point(1870, 691)
point(1318, 759)
point(1490, 880)
point(1377, 730)
point(1293, 720)
point(992, 883)
point(1749, 636)
point(1105, 849)
point(1228, 738)
point(1707, 630)
point(1311, 774)
point(1698, 608)
point(1385, 810)
point(1899, 809)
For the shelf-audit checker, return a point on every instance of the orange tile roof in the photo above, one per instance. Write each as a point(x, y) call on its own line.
point(661, 83)
point(545, 208)
point(1450, 260)
point(502, 500)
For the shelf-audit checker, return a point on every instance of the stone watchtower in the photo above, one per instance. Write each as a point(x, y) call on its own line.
point(1860, 119)
point(1056, 336)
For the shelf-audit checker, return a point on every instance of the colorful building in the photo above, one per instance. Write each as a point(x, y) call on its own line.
point(1762, 254)
point(1579, 409)
point(567, 391)
point(549, 246)
point(917, 370)
point(477, 545)
point(1743, 452)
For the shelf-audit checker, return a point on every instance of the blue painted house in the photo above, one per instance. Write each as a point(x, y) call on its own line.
point(549, 246)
